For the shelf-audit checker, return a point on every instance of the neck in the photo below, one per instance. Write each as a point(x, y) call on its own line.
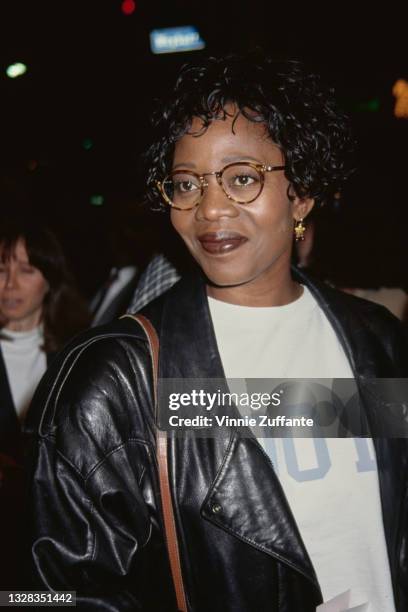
point(279, 291)
point(24, 325)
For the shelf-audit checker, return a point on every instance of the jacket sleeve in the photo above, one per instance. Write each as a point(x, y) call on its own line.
point(93, 510)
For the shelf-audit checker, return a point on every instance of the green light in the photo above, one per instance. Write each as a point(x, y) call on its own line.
point(87, 143)
point(371, 106)
point(97, 200)
point(15, 70)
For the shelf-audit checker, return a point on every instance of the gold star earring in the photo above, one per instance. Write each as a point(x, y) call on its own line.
point(299, 230)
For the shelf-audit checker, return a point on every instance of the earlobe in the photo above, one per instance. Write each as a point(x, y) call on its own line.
point(302, 207)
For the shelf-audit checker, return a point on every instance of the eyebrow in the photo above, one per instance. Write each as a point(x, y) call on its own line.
point(225, 160)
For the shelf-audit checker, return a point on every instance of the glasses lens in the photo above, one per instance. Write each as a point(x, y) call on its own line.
point(242, 182)
point(182, 189)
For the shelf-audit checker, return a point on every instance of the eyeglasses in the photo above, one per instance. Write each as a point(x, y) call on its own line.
point(241, 182)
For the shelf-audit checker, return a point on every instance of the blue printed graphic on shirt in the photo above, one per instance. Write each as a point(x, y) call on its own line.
point(364, 461)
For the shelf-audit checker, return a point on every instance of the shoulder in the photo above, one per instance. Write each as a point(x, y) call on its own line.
point(96, 394)
point(368, 327)
point(373, 315)
point(334, 300)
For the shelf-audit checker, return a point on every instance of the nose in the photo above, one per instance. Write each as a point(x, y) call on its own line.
point(10, 278)
point(215, 203)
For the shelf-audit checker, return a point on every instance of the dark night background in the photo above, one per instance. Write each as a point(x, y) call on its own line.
point(92, 79)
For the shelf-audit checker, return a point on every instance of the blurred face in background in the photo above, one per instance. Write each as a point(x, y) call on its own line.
point(22, 290)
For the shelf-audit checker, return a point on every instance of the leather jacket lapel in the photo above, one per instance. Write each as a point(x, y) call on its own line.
point(188, 348)
point(247, 500)
point(237, 475)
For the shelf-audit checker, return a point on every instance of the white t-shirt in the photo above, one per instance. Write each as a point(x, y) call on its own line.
point(331, 484)
point(25, 364)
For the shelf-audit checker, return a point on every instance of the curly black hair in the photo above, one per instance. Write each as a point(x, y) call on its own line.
point(300, 115)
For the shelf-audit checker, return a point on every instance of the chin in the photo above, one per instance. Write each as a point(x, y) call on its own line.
point(227, 275)
point(226, 280)
point(10, 316)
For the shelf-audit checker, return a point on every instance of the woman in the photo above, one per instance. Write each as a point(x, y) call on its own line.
point(39, 312)
point(244, 149)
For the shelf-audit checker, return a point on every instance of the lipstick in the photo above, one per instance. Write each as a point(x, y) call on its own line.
point(221, 242)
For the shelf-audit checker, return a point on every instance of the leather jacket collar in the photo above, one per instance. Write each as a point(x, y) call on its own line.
point(184, 315)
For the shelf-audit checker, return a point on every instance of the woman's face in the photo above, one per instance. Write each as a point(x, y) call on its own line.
point(238, 245)
point(22, 291)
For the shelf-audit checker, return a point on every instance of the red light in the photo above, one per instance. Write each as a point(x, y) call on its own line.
point(128, 7)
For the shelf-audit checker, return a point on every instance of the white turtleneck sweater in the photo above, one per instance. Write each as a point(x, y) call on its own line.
point(25, 364)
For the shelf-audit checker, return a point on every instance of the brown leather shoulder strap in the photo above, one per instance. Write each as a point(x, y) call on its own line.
point(167, 503)
point(153, 340)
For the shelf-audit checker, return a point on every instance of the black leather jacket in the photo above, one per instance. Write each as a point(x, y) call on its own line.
point(97, 527)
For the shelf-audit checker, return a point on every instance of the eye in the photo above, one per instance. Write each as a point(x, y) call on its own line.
point(184, 182)
point(243, 180)
point(185, 186)
point(28, 269)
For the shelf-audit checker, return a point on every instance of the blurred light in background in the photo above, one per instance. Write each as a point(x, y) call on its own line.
point(369, 106)
point(87, 144)
point(97, 200)
point(32, 165)
point(15, 70)
point(128, 7)
point(400, 91)
point(176, 40)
